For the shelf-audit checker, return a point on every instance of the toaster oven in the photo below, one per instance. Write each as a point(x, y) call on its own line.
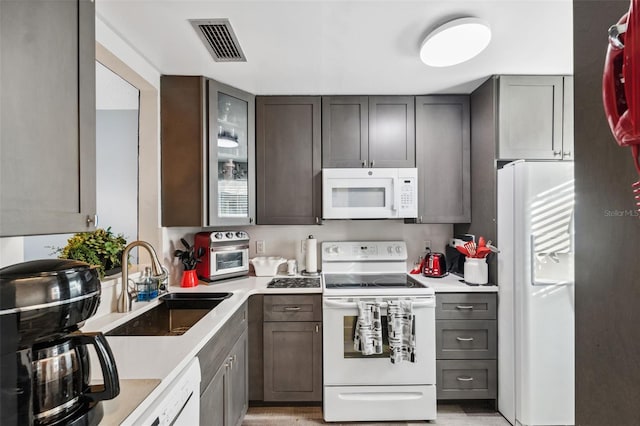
point(226, 254)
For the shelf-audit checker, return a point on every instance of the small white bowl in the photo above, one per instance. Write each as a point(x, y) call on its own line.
point(267, 266)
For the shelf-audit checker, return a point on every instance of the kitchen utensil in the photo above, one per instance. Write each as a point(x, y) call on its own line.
point(471, 248)
point(481, 242)
point(482, 252)
point(463, 250)
point(493, 248)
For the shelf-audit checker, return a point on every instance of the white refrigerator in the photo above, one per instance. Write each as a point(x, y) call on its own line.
point(536, 312)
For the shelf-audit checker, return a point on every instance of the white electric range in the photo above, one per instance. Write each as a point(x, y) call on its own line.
point(361, 387)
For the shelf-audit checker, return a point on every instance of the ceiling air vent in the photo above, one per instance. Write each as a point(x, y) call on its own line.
point(219, 38)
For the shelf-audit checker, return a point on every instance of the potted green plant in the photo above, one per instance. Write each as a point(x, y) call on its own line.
point(189, 258)
point(101, 248)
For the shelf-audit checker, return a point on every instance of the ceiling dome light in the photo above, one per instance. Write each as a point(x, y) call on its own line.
point(455, 42)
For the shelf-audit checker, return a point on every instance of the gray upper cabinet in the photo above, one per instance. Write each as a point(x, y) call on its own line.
point(531, 118)
point(208, 157)
point(443, 159)
point(345, 131)
point(368, 131)
point(288, 154)
point(47, 137)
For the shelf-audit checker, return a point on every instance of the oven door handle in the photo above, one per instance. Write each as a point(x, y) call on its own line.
point(422, 303)
point(230, 248)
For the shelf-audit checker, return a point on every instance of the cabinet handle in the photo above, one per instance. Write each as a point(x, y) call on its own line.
point(372, 163)
point(250, 220)
point(364, 164)
point(292, 308)
point(464, 379)
point(464, 339)
point(420, 219)
point(231, 363)
point(317, 328)
point(567, 153)
point(92, 219)
point(557, 153)
point(470, 307)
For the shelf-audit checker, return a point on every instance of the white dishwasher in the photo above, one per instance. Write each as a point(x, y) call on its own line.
point(179, 403)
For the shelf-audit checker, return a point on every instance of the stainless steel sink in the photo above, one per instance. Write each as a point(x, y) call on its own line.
point(177, 313)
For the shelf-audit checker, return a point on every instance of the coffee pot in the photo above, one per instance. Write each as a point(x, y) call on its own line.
point(44, 359)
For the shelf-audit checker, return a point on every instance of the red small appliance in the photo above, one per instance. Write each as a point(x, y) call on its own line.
point(435, 265)
point(621, 85)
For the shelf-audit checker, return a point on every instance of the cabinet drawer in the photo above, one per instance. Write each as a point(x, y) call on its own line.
point(466, 306)
point(458, 339)
point(306, 307)
point(466, 379)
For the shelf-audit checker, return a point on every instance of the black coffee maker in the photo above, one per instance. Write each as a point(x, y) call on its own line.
point(44, 360)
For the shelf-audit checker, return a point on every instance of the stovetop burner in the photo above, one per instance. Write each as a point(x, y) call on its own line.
point(348, 281)
point(294, 282)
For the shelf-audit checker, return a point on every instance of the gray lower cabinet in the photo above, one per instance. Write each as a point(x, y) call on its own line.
point(224, 365)
point(292, 338)
point(443, 157)
point(47, 110)
point(466, 346)
point(368, 131)
point(288, 160)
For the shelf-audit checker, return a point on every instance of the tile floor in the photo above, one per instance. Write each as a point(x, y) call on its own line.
point(448, 415)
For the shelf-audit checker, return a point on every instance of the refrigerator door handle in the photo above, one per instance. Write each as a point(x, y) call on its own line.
point(532, 260)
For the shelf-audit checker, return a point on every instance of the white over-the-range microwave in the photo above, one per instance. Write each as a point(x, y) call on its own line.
point(369, 193)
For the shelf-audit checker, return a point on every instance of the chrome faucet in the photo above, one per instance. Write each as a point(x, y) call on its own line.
point(159, 273)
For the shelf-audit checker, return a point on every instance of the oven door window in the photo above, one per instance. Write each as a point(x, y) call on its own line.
point(349, 332)
point(229, 260)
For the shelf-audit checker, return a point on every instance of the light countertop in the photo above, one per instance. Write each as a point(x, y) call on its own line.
point(162, 358)
point(453, 284)
point(148, 364)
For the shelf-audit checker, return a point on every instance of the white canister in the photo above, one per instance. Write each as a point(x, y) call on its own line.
point(476, 271)
point(292, 267)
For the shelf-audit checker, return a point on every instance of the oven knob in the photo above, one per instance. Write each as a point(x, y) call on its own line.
point(229, 235)
point(218, 235)
point(240, 234)
point(398, 249)
point(390, 250)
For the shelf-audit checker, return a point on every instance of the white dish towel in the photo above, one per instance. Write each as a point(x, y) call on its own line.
point(368, 334)
point(402, 331)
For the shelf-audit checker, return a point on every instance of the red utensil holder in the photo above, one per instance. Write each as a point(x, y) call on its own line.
point(189, 279)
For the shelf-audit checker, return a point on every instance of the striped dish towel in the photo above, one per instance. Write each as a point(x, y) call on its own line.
point(368, 335)
point(402, 331)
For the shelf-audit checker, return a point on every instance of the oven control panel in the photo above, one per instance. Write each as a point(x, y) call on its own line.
point(343, 251)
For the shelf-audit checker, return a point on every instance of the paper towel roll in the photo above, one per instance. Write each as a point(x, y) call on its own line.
point(312, 255)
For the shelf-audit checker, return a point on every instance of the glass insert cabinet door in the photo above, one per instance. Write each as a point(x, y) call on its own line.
point(231, 155)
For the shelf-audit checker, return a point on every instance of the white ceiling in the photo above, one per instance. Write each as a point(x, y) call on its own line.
point(345, 47)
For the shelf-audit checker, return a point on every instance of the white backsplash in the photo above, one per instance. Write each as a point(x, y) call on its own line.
point(285, 240)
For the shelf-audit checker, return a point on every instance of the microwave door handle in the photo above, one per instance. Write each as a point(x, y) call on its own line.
point(396, 195)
